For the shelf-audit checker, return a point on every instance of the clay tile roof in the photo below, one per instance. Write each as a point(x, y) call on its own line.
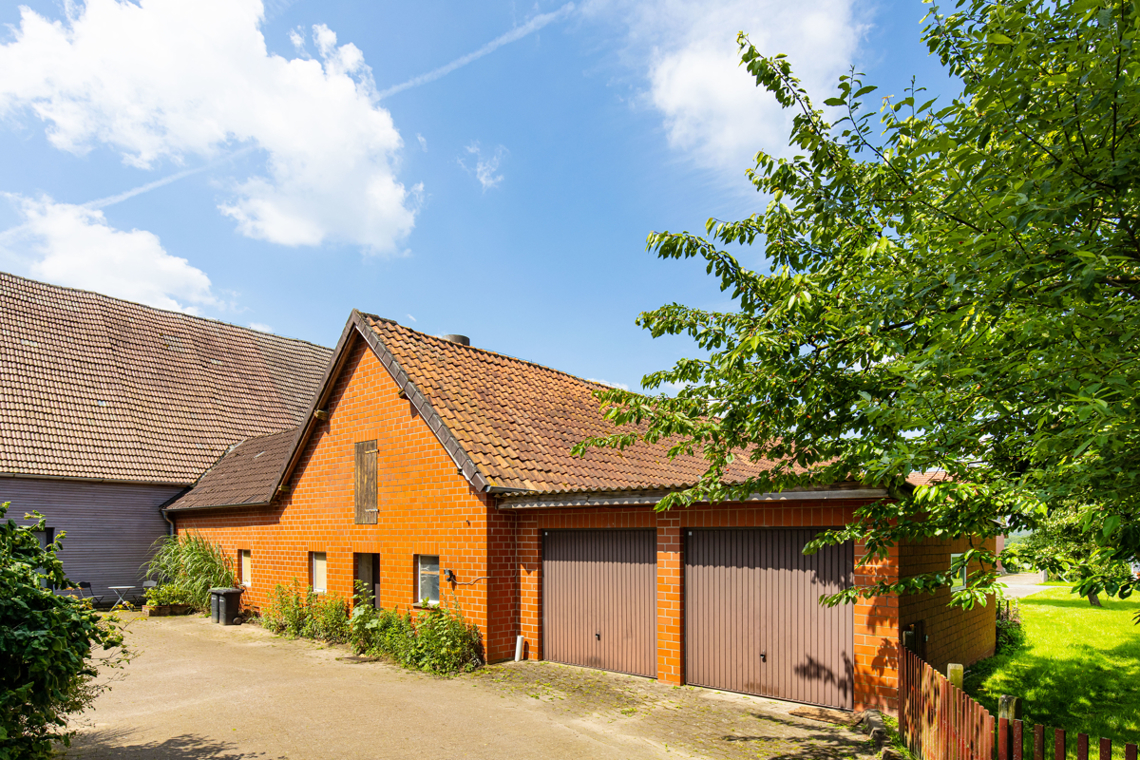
point(926, 478)
point(245, 475)
point(519, 421)
point(97, 388)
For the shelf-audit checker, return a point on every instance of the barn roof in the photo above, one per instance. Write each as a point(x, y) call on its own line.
point(96, 388)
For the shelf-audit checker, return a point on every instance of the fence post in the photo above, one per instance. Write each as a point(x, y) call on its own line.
point(1009, 710)
point(954, 672)
point(944, 719)
point(904, 694)
point(1009, 707)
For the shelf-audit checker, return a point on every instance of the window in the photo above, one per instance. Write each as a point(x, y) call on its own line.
point(427, 579)
point(317, 572)
point(959, 580)
point(246, 568)
point(365, 483)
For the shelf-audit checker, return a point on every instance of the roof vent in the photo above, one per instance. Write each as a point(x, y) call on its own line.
point(462, 340)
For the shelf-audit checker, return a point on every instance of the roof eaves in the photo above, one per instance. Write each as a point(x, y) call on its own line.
point(634, 497)
point(197, 507)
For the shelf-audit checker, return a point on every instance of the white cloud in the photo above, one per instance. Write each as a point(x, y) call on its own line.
point(260, 327)
point(607, 383)
point(484, 168)
point(711, 107)
point(74, 246)
point(423, 142)
point(164, 80)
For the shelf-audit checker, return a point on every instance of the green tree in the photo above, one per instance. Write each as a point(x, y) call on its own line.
point(47, 661)
point(1061, 543)
point(951, 286)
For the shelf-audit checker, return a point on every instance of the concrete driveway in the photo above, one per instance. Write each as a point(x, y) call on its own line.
point(1022, 584)
point(197, 690)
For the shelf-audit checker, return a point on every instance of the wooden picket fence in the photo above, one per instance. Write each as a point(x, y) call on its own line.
point(938, 721)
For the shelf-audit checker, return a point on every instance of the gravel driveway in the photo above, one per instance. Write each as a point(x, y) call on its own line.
point(198, 690)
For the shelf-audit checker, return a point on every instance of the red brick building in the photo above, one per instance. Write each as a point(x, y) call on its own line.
point(429, 468)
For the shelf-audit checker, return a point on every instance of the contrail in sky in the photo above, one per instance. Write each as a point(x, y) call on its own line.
point(111, 200)
point(517, 33)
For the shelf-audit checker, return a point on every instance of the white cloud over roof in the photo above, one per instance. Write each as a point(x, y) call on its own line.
point(710, 105)
point(163, 80)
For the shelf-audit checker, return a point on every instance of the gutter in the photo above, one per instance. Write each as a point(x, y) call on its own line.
point(646, 498)
point(74, 479)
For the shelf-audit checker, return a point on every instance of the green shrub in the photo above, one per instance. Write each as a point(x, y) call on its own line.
point(46, 645)
point(193, 566)
point(1010, 634)
point(438, 640)
point(305, 614)
point(168, 593)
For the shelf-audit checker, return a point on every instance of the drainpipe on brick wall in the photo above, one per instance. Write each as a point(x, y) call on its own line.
point(168, 522)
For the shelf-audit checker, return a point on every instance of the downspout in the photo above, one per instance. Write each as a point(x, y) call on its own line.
point(168, 522)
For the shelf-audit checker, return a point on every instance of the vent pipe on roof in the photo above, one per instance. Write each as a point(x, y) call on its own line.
point(462, 340)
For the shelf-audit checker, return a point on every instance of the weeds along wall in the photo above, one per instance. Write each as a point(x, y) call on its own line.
point(425, 508)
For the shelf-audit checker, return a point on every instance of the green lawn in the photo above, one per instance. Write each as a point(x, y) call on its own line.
point(1079, 669)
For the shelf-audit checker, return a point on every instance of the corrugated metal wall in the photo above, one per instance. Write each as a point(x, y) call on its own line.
point(110, 527)
point(753, 622)
point(600, 599)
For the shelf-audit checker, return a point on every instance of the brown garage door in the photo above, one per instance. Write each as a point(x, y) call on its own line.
point(600, 599)
point(752, 620)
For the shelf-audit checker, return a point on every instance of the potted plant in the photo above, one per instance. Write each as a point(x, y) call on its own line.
point(167, 599)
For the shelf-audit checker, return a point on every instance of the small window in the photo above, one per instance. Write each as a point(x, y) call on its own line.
point(427, 583)
point(317, 572)
point(246, 568)
point(959, 581)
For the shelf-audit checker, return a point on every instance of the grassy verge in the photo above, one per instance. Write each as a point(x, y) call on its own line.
point(1079, 668)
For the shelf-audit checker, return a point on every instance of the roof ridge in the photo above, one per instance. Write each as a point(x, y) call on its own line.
point(160, 310)
point(492, 353)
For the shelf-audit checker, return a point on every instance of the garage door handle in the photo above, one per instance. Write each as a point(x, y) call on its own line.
point(598, 636)
point(763, 657)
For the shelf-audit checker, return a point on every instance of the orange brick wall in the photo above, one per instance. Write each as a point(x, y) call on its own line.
point(953, 634)
point(876, 620)
point(426, 507)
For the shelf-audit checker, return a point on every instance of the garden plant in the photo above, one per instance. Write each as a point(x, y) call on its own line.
point(51, 645)
point(186, 567)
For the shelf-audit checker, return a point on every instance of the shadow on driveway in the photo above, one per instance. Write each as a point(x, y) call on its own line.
point(117, 744)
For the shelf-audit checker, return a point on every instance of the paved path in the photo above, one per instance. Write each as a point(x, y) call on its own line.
point(1022, 584)
point(204, 691)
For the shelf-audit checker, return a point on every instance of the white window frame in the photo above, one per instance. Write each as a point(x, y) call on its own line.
point(245, 562)
point(422, 560)
point(322, 587)
point(961, 579)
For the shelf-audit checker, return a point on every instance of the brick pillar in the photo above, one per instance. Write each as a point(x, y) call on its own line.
point(530, 586)
point(670, 600)
point(877, 637)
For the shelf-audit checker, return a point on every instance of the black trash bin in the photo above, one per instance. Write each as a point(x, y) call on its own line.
point(225, 605)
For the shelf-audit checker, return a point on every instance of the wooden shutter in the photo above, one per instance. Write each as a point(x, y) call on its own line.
point(365, 489)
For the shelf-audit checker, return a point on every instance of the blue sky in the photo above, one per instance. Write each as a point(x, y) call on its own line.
point(484, 168)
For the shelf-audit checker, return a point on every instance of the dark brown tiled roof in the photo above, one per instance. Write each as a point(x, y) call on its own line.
point(519, 421)
point(245, 475)
point(94, 387)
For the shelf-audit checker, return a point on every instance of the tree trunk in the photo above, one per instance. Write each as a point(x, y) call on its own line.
point(1094, 601)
